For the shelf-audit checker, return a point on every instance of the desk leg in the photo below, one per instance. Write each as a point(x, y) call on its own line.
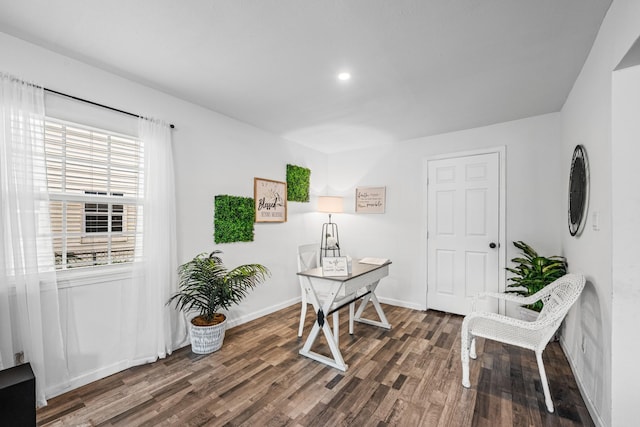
point(332, 340)
point(383, 323)
point(337, 361)
point(352, 307)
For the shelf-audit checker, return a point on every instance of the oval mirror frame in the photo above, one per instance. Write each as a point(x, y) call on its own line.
point(578, 191)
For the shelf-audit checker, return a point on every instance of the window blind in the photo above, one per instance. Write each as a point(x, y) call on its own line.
point(93, 178)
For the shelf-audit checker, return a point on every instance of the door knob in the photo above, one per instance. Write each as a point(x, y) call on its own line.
point(492, 245)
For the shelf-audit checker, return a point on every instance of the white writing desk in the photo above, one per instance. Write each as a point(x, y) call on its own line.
point(360, 283)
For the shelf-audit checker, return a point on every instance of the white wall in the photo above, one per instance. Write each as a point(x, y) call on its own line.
point(625, 243)
point(587, 338)
point(213, 155)
point(532, 202)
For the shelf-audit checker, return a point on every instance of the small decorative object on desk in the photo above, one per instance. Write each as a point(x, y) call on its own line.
point(332, 243)
point(374, 261)
point(335, 266)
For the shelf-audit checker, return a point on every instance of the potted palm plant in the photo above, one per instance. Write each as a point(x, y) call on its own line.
point(532, 273)
point(206, 286)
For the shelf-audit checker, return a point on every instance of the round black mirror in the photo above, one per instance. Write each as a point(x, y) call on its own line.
point(578, 190)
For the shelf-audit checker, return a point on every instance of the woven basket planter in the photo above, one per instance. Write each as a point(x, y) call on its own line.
point(207, 339)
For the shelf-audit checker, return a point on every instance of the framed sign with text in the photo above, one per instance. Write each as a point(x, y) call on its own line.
point(335, 266)
point(270, 200)
point(370, 199)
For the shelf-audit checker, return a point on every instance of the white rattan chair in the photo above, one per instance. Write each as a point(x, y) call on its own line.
point(558, 297)
point(308, 257)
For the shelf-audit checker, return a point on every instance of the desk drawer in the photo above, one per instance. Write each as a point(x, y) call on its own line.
point(352, 285)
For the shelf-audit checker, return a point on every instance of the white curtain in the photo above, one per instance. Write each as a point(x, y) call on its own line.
point(159, 327)
point(29, 314)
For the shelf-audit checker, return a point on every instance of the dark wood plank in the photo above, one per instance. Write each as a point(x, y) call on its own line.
point(409, 375)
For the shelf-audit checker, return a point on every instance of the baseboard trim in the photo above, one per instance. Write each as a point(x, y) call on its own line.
point(257, 314)
point(400, 303)
point(595, 415)
point(86, 378)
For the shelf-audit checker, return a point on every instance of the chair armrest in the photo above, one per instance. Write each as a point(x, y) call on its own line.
point(519, 299)
point(511, 321)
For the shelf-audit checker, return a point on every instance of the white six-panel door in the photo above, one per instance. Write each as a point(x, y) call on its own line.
point(463, 231)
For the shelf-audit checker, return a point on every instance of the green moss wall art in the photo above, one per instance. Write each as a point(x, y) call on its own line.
point(298, 183)
point(233, 219)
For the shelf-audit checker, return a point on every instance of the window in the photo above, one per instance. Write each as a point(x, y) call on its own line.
point(93, 178)
point(98, 217)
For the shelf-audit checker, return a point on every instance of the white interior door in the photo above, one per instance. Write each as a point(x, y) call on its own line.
point(463, 231)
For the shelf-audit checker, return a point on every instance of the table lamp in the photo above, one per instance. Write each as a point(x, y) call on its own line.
point(329, 242)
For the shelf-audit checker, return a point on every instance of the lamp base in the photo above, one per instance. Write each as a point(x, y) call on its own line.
point(329, 242)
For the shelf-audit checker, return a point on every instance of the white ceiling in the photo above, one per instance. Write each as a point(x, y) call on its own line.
point(420, 67)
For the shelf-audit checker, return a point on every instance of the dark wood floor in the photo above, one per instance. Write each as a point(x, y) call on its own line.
point(408, 376)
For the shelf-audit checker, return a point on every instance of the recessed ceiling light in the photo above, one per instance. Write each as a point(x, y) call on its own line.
point(344, 76)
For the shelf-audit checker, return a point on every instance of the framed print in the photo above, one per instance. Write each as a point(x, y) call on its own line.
point(270, 200)
point(335, 266)
point(370, 199)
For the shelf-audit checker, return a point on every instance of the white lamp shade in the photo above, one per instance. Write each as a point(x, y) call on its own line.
point(330, 204)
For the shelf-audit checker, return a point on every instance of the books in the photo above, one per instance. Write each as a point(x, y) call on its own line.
point(374, 261)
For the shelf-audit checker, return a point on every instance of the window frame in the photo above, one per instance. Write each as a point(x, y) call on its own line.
point(110, 213)
point(82, 198)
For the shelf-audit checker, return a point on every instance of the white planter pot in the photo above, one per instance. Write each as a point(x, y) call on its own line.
point(207, 339)
point(528, 315)
point(531, 316)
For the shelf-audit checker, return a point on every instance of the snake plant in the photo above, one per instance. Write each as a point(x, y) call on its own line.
point(533, 272)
